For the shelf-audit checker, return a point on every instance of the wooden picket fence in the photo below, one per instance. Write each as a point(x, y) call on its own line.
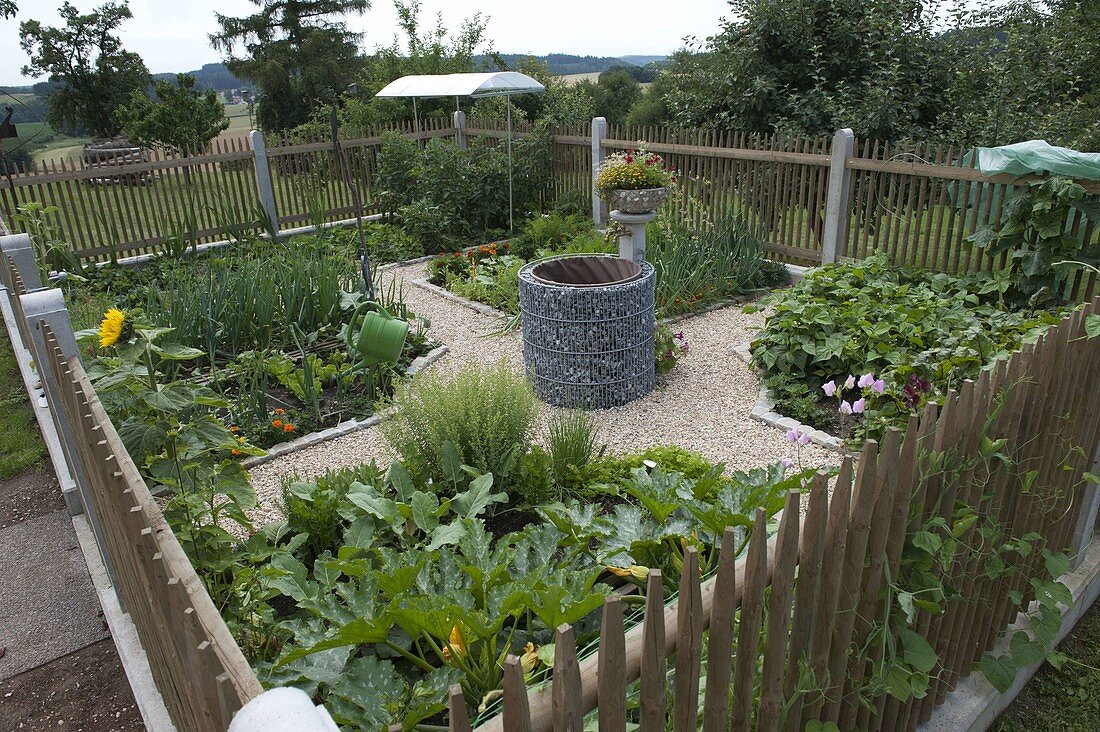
point(917, 202)
point(801, 604)
point(201, 673)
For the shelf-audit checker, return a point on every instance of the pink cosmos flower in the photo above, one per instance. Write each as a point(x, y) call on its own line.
point(829, 387)
point(866, 380)
point(859, 405)
point(845, 408)
point(850, 382)
point(879, 386)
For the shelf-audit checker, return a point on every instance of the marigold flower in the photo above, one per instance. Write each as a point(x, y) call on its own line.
point(280, 410)
point(288, 428)
point(234, 452)
point(234, 428)
point(110, 329)
point(277, 423)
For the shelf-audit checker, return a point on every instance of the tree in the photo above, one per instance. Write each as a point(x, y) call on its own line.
point(297, 51)
point(95, 74)
point(182, 118)
point(615, 93)
point(8, 8)
point(1026, 70)
point(813, 66)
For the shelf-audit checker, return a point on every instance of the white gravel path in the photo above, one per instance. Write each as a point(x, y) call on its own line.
point(703, 405)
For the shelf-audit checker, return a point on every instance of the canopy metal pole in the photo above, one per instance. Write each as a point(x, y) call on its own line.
point(416, 118)
point(508, 99)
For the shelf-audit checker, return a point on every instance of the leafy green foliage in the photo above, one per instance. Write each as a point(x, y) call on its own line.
point(182, 118)
point(550, 232)
point(94, 74)
point(486, 414)
point(1035, 233)
point(52, 252)
point(444, 194)
point(668, 512)
point(698, 267)
point(896, 323)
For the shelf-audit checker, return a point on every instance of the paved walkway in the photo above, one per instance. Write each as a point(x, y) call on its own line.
point(58, 666)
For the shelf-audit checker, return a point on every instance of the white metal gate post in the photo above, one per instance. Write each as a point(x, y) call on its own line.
point(264, 187)
point(837, 209)
point(599, 132)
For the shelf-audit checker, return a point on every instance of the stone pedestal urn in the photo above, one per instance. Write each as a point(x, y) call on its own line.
point(640, 201)
point(588, 325)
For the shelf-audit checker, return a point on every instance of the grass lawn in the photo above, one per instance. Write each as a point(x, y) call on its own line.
point(1065, 699)
point(21, 445)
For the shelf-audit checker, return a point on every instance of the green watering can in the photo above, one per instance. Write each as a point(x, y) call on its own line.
point(378, 338)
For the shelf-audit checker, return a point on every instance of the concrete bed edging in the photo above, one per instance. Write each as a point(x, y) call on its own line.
point(764, 411)
point(975, 703)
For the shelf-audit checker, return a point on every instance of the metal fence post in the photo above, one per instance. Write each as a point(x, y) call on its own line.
point(836, 202)
point(1085, 530)
point(460, 128)
point(599, 131)
point(263, 176)
point(47, 307)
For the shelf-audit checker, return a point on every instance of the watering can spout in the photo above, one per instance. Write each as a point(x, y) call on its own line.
point(374, 335)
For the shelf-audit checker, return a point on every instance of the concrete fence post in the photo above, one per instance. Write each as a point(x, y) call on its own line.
point(460, 128)
point(1085, 529)
point(599, 132)
point(264, 187)
point(836, 201)
point(21, 251)
point(47, 307)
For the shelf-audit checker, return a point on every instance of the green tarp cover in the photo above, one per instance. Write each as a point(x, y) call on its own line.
point(1037, 156)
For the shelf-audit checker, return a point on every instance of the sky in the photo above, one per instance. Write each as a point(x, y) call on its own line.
point(172, 36)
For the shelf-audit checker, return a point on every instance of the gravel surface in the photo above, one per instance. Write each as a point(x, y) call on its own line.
point(703, 405)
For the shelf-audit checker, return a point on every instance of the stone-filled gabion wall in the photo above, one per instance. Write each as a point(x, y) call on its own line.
point(588, 347)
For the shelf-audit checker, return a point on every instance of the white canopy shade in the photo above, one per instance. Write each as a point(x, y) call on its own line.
point(491, 84)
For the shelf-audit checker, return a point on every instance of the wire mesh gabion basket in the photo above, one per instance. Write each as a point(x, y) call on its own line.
point(588, 330)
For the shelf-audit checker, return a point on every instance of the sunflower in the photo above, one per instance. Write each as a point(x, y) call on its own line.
point(110, 330)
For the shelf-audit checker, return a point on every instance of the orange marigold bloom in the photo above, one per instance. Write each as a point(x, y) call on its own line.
point(277, 423)
point(288, 428)
point(234, 428)
point(280, 410)
point(234, 452)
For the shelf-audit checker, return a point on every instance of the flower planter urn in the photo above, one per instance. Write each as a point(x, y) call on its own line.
point(639, 201)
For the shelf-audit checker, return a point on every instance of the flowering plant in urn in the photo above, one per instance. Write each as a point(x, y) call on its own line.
point(635, 181)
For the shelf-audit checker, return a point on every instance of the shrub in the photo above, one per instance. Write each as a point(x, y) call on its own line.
point(486, 413)
point(896, 323)
point(387, 243)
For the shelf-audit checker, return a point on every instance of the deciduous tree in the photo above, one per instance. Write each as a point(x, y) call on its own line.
point(181, 118)
point(94, 72)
